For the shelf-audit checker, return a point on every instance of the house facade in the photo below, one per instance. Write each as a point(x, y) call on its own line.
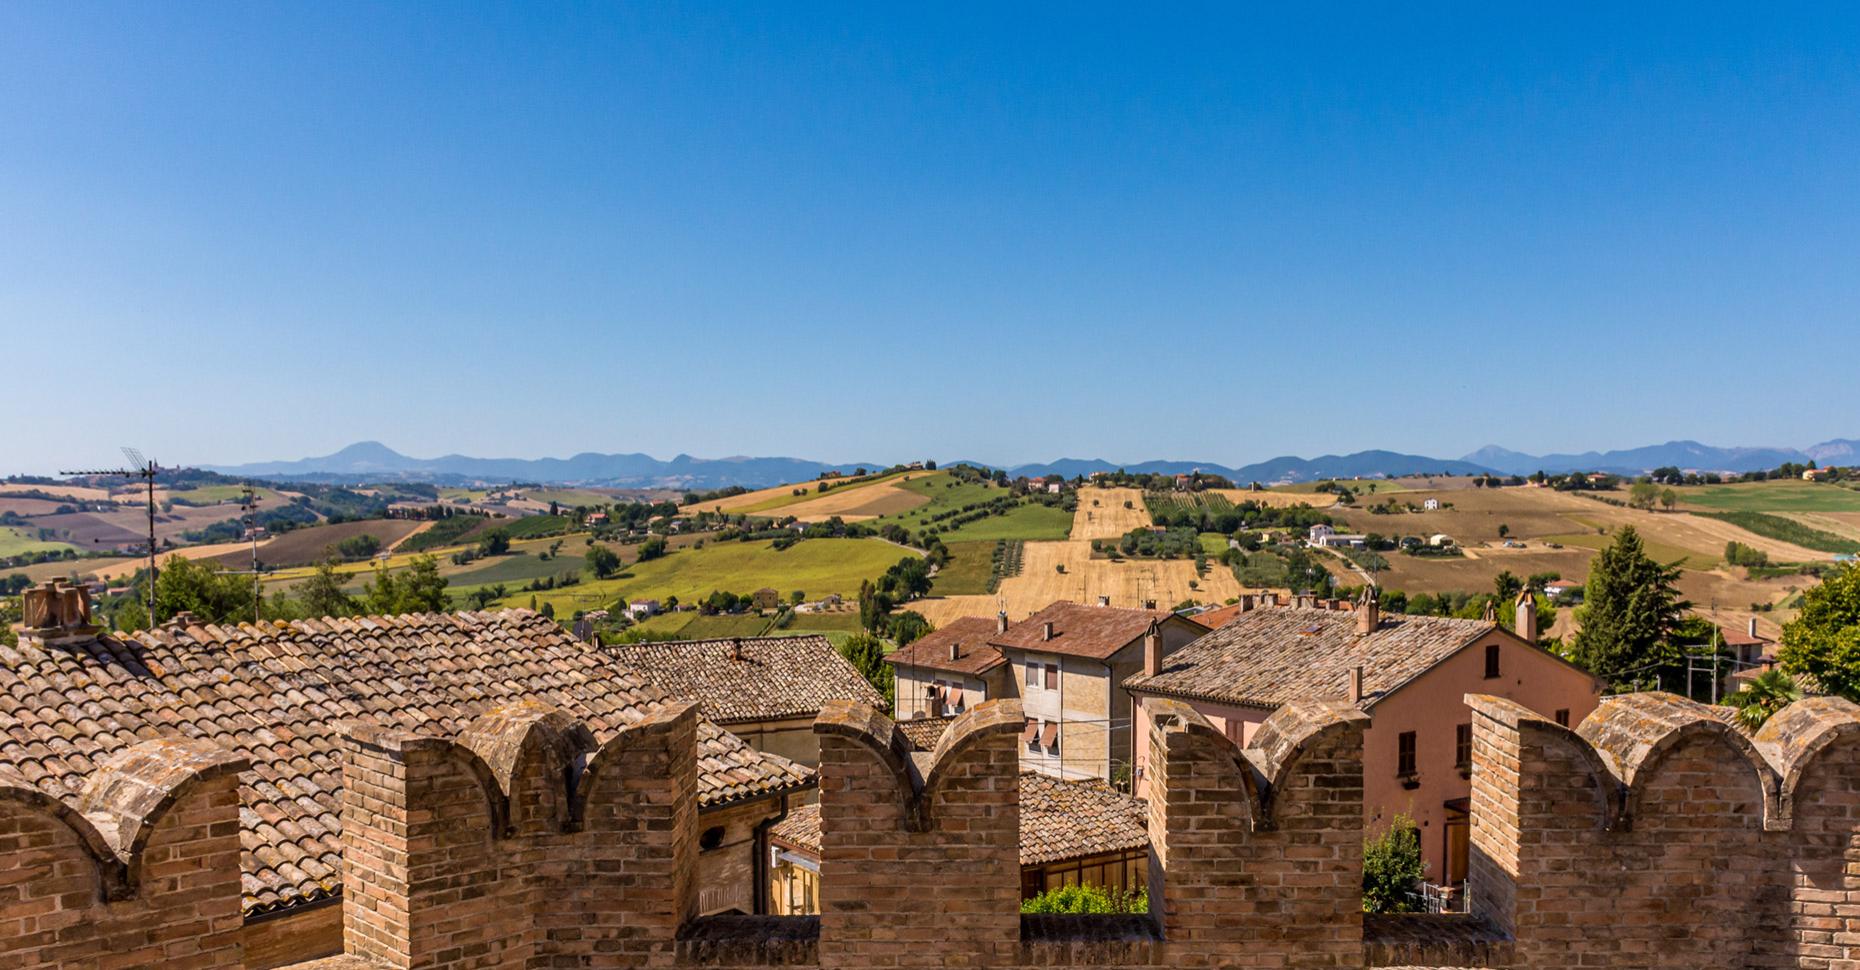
point(1411, 673)
point(948, 670)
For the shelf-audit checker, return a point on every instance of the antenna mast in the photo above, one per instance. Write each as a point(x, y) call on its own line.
point(146, 470)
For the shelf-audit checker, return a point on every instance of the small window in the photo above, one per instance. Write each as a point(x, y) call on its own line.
point(1491, 661)
point(1052, 676)
point(1033, 674)
point(1562, 716)
point(711, 839)
point(1404, 754)
point(1462, 746)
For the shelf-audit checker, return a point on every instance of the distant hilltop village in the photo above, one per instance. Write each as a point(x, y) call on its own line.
point(934, 715)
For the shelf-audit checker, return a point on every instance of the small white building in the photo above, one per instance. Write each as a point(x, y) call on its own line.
point(1324, 536)
point(1431, 505)
point(641, 609)
point(1439, 539)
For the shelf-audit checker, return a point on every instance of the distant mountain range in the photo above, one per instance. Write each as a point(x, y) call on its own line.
point(373, 461)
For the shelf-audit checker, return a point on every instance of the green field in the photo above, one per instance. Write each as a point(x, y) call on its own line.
point(1785, 496)
point(968, 570)
point(945, 492)
point(1213, 543)
point(16, 541)
point(215, 494)
point(816, 566)
point(1027, 522)
point(1786, 530)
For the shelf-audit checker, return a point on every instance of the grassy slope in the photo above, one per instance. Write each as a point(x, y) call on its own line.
point(15, 541)
point(816, 566)
point(1029, 522)
point(809, 492)
point(967, 571)
point(1773, 497)
point(1786, 530)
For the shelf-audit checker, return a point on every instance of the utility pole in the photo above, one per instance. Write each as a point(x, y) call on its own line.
point(250, 509)
point(146, 470)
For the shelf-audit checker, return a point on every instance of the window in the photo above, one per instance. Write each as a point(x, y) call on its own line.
point(1052, 676)
point(1033, 674)
point(1491, 661)
point(1562, 716)
point(1462, 747)
point(1404, 754)
point(711, 839)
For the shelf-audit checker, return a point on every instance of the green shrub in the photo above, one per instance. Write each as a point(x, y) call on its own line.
point(1392, 866)
point(1087, 899)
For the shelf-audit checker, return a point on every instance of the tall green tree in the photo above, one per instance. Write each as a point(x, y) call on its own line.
point(1630, 610)
point(602, 561)
point(322, 594)
point(417, 589)
point(1823, 641)
point(867, 655)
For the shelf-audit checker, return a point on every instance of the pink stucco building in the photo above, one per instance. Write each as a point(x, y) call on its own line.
point(1409, 673)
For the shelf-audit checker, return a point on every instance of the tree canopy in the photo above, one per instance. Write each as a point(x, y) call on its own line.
point(1630, 612)
point(1823, 641)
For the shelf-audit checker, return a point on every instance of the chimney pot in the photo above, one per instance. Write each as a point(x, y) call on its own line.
point(1152, 651)
point(1104, 601)
point(1525, 622)
point(1753, 628)
point(1246, 602)
point(955, 651)
point(736, 648)
point(1369, 611)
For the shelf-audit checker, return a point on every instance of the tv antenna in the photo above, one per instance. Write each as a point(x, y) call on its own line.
point(146, 470)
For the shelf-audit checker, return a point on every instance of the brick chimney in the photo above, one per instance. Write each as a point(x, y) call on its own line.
point(1525, 624)
point(1269, 599)
point(955, 651)
point(933, 700)
point(1000, 622)
point(1353, 687)
point(1152, 651)
point(1247, 602)
point(1368, 612)
point(1491, 611)
point(736, 649)
point(56, 612)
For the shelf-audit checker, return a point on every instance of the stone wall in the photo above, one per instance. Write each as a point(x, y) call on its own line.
point(1653, 836)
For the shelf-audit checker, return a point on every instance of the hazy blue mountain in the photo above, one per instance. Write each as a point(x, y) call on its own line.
point(1689, 455)
point(371, 460)
point(1840, 451)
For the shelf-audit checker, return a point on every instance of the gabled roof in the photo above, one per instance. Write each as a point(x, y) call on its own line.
point(1092, 632)
point(1275, 655)
point(278, 694)
point(750, 679)
point(1058, 820)
point(974, 654)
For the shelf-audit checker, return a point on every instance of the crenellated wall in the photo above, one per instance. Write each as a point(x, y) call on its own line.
point(1653, 836)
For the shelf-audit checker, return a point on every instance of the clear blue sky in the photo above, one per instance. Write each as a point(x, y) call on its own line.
point(866, 232)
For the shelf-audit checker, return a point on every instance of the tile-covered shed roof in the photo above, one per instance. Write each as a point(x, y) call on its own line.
point(974, 655)
point(1091, 632)
point(278, 694)
point(750, 679)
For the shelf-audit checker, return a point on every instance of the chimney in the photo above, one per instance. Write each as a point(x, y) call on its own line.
point(1753, 628)
point(1104, 601)
point(736, 649)
point(1000, 622)
point(1354, 690)
point(955, 651)
point(1368, 615)
point(1247, 602)
point(1269, 599)
point(1046, 630)
point(1152, 651)
point(1525, 623)
point(1149, 604)
point(183, 620)
point(1491, 611)
point(56, 612)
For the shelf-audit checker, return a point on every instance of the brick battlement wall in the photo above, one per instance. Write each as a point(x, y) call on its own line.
point(1655, 835)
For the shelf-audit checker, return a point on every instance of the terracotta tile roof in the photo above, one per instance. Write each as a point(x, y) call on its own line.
point(1735, 637)
point(1093, 632)
point(970, 634)
point(925, 732)
point(1218, 617)
point(1276, 654)
point(751, 678)
point(1058, 820)
point(279, 694)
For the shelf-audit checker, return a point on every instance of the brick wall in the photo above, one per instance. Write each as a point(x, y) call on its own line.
point(1653, 836)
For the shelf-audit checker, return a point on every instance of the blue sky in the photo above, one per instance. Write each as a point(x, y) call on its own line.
point(864, 232)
